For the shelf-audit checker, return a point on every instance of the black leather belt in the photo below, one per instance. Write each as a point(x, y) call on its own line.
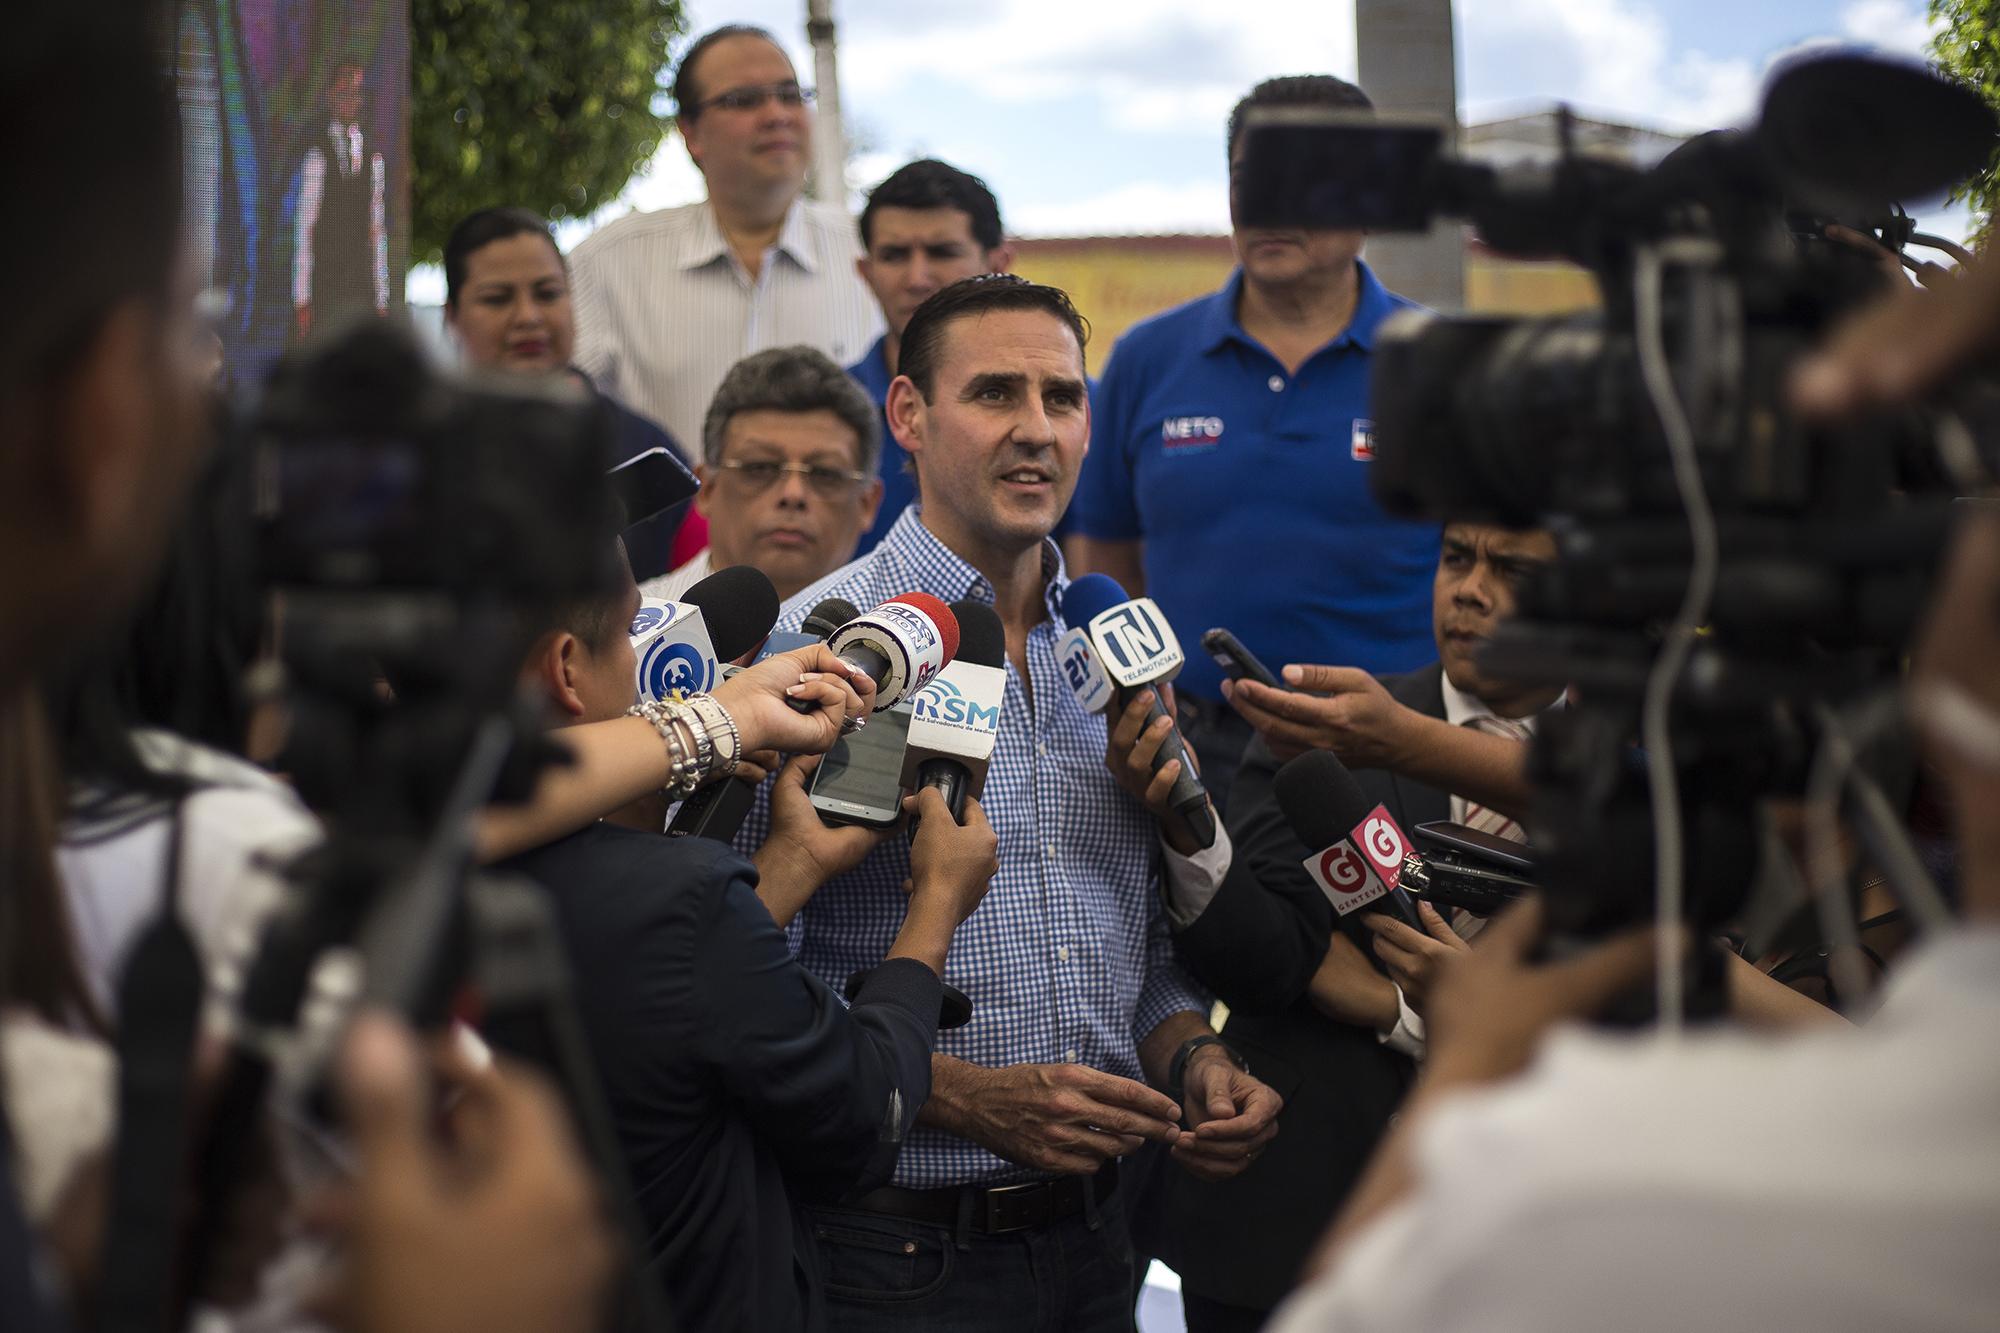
point(1000, 1209)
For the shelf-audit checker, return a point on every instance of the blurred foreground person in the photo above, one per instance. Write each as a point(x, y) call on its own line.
point(100, 408)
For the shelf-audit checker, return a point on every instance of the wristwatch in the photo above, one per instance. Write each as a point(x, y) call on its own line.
point(1177, 1071)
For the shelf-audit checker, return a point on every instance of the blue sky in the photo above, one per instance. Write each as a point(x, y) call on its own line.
point(1106, 116)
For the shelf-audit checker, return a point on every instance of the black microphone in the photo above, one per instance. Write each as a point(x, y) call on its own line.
point(1357, 849)
point(956, 718)
point(1117, 646)
point(719, 809)
point(738, 605)
point(829, 616)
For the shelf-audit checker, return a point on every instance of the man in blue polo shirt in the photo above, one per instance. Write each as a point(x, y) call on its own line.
point(927, 225)
point(1228, 473)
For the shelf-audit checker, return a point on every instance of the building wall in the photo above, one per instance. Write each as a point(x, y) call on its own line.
point(1116, 281)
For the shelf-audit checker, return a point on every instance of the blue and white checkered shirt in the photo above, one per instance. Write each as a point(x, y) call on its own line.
point(1068, 958)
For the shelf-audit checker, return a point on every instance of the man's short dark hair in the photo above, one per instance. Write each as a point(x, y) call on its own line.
point(93, 130)
point(476, 231)
point(923, 339)
point(687, 94)
point(1297, 90)
point(792, 379)
point(929, 184)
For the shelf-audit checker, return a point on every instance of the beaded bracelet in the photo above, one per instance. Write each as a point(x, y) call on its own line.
point(689, 729)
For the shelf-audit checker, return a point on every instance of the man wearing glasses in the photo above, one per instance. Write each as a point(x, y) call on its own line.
point(787, 472)
point(667, 301)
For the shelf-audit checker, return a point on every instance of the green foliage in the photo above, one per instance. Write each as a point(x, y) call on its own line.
point(546, 104)
point(1968, 48)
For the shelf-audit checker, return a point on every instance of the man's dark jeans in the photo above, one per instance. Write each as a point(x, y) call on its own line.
point(1073, 1276)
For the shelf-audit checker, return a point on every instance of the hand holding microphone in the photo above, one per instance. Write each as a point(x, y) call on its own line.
point(900, 646)
point(1117, 652)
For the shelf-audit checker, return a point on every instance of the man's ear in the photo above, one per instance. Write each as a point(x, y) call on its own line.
point(702, 498)
point(553, 665)
point(1000, 259)
point(871, 501)
point(906, 409)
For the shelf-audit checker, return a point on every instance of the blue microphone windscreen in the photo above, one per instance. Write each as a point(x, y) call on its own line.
point(1090, 596)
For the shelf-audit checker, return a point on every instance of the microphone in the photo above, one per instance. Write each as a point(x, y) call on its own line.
point(829, 616)
point(680, 645)
point(1115, 647)
point(718, 810)
point(1360, 852)
point(956, 718)
point(900, 645)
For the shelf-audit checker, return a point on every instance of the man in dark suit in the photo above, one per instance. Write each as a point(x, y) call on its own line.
point(1308, 1012)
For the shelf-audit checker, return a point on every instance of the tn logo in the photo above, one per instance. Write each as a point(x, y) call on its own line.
point(1132, 637)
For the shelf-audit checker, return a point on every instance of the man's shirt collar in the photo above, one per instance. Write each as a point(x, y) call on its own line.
point(706, 244)
point(1372, 304)
point(936, 567)
point(1460, 707)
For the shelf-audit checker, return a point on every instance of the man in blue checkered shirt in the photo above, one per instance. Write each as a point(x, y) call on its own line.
point(1005, 1214)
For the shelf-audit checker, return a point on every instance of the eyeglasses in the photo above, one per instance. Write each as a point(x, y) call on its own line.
point(829, 483)
point(749, 99)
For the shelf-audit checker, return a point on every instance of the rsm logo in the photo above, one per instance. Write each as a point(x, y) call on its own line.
point(942, 701)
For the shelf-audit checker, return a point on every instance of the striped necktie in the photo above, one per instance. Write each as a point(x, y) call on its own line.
point(1478, 816)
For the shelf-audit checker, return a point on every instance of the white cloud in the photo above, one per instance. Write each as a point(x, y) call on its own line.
point(1138, 208)
point(1612, 57)
point(1152, 65)
point(1895, 25)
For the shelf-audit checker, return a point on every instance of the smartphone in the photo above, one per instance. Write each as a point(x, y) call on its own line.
point(860, 781)
point(1475, 846)
point(651, 482)
point(1238, 662)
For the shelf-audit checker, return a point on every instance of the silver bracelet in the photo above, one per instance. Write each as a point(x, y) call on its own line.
point(680, 735)
point(719, 729)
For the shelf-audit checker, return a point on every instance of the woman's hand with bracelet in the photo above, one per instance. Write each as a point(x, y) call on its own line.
point(758, 699)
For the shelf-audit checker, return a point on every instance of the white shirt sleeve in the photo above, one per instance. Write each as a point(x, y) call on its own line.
point(378, 231)
point(1408, 1034)
point(312, 185)
point(1192, 881)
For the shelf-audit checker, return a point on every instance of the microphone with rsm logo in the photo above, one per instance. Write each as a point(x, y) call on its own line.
point(956, 718)
point(1117, 646)
point(1357, 849)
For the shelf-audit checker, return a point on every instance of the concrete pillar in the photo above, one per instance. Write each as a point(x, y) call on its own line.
point(829, 167)
point(1408, 66)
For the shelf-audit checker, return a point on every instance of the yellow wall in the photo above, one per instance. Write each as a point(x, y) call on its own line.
point(1116, 281)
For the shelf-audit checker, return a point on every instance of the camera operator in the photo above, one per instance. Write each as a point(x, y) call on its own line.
point(1643, 1183)
point(741, 1086)
point(99, 412)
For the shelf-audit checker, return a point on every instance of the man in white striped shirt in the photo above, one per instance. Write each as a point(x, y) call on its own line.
point(667, 302)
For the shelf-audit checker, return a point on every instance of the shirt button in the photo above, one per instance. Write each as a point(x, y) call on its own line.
point(1277, 383)
point(1062, 954)
point(1070, 1055)
point(1042, 749)
point(1050, 851)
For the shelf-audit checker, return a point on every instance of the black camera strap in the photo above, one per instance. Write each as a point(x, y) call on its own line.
point(160, 996)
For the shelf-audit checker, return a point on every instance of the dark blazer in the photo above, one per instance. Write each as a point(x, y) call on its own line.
point(740, 1086)
point(1244, 1241)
